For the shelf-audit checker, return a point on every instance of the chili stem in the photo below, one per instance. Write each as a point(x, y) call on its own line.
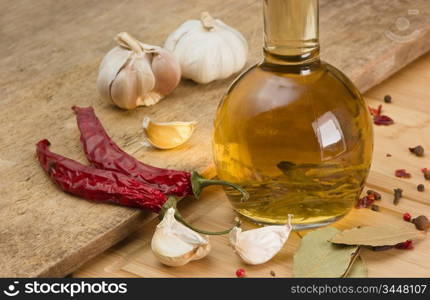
point(198, 183)
point(171, 203)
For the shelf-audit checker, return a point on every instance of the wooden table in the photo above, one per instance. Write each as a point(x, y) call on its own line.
point(410, 110)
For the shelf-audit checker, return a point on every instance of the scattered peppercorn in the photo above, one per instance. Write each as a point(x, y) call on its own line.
point(420, 188)
point(421, 223)
point(376, 195)
point(365, 202)
point(374, 207)
point(382, 248)
point(398, 193)
point(240, 273)
point(407, 217)
point(368, 200)
point(387, 99)
point(402, 173)
point(427, 175)
point(388, 155)
point(272, 273)
point(418, 150)
point(405, 245)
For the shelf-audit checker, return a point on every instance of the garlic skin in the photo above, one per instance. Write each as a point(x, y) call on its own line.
point(260, 245)
point(136, 74)
point(167, 135)
point(175, 245)
point(207, 49)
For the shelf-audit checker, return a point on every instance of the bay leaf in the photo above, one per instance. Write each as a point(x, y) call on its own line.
point(358, 269)
point(317, 257)
point(386, 235)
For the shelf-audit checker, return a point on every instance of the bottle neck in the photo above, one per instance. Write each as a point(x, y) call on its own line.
point(291, 31)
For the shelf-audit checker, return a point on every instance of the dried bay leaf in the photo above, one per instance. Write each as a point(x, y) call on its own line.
point(358, 269)
point(317, 257)
point(386, 235)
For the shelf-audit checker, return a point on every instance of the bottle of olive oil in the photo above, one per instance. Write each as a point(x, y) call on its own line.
point(293, 130)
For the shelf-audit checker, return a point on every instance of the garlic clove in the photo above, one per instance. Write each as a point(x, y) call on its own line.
point(258, 246)
point(133, 81)
point(174, 244)
point(114, 60)
point(178, 34)
point(167, 71)
point(237, 41)
point(167, 135)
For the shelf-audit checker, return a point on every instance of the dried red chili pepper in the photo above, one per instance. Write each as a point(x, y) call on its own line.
point(103, 153)
point(379, 118)
point(98, 185)
point(402, 173)
point(375, 111)
point(106, 186)
point(405, 245)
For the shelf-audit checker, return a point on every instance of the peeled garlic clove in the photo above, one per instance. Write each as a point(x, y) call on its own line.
point(207, 49)
point(174, 244)
point(258, 246)
point(167, 135)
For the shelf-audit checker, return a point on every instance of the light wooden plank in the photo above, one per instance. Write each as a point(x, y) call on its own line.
point(394, 139)
point(50, 53)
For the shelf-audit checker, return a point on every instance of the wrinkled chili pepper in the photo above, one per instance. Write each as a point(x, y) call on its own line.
point(98, 185)
point(103, 153)
point(106, 186)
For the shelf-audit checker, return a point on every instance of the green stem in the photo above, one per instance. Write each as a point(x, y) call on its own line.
point(198, 183)
point(171, 203)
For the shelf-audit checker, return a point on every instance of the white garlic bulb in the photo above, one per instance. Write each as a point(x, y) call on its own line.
point(260, 245)
point(207, 49)
point(135, 74)
point(174, 244)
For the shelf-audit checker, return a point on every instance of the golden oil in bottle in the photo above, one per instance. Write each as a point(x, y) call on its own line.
point(293, 130)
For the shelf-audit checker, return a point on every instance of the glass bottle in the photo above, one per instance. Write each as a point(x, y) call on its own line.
point(293, 130)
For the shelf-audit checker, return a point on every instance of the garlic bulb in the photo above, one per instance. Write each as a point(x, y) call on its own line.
point(175, 245)
point(258, 246)
point(207, 49)
point(135, 74)
point(167, 135)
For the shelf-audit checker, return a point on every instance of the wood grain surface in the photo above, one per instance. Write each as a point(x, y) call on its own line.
point(50, 51)
point(411, 112)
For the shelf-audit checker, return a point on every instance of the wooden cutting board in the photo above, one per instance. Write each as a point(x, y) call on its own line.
point(50, 51)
